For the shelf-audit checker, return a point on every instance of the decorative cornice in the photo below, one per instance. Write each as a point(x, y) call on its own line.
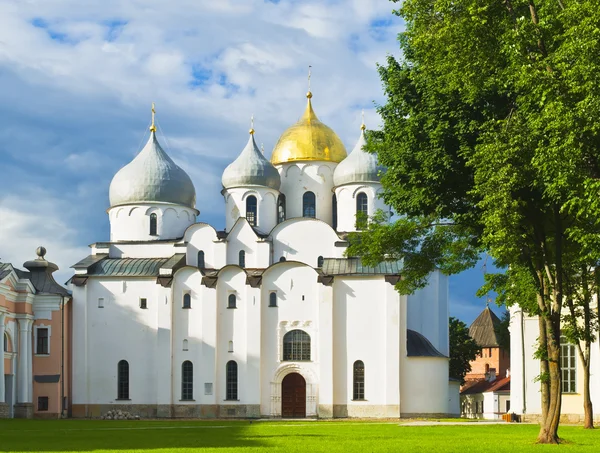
point(392, 279)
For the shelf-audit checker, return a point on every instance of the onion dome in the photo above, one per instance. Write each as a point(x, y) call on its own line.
point(152, 177)
point(359, 166)
point(251, 168)
point(308, 140)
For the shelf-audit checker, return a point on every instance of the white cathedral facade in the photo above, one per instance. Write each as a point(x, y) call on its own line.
point(268, 318)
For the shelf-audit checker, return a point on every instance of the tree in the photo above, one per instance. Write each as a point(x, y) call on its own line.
point(463, 349)
point(502, 332)
point(490, 139)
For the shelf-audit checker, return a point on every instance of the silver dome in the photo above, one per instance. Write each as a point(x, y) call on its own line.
point(251, 168)
point(359, 166)
point(152, 177)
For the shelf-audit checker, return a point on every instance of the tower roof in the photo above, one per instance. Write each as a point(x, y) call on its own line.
point(483, 329)
point(308, 140)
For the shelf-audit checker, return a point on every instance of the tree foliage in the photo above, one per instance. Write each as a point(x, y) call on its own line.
point(463, 349)
point(490, 138)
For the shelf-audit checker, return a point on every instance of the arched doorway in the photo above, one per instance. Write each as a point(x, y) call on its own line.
point(293, 396)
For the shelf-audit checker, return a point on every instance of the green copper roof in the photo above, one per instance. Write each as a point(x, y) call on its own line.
point(128, 267)
point(350, 266)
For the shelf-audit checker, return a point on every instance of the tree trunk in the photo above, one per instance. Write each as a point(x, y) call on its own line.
point(588, 412)
point(549, 424)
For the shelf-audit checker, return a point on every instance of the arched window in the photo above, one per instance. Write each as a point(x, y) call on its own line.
point(281, 208)
point(359, 380)
point(5, 349)
point(309, 205)
point(334, 212)
point(187, 300)
point(242, 258)
point(296, 345)
point(320, 261)
point(273, 299)
point(231, 301)
point(201, 263)
point(187, 380)
point(153, 225)
point(282, 259)
point(231, 384)
point(123, 380)
point(362, 210)
point(251, 210)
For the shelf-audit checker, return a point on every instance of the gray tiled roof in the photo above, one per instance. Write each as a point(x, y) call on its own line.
point(483, 329)
point(349, 266)
point(42, 279)
point(417, 345)
point(128, 267)
point(88, 261)
point(5, 269)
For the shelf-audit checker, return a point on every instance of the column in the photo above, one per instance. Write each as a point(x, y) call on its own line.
point(25, 355)
point(2, 390)
point(30, 361)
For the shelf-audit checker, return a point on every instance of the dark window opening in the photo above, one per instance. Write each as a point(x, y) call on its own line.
point(362, 210)
point(359, 380)
point(143, 303)
point(187, 300)
point(334, 212)
point(320, 261)
point(282, 259)
point(309, 205)
point(5, 342)
point(296, 346)
point(187, 380)
point(201, 263)
point(42, 403)
point(242, 258)
point(281, 208)
point(273, 299)
point(42, 346)
point(153, 225)
point(123, 380)
point(231, 301)
point(251, 215)
point(231, 384)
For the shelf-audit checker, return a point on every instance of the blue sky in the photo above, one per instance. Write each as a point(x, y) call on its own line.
point(77, 80)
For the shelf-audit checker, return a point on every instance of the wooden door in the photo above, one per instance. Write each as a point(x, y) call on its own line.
point(293, 396)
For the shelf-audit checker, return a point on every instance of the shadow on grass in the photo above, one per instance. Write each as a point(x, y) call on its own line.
point(90, 435)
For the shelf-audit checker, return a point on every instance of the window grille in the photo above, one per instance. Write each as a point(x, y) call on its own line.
point(187, 380)
point(359, 380)
point(232, 381)
point(242, 258)
point(251, 214)
point(187, 300)
point(201, 263)
point(42, 346)
point(309, 205)
point(362, 210)
point(568, 366)
point(153, 225)
point(273, 299)
point(296, 346)
point(231, 301)
point(123, 380)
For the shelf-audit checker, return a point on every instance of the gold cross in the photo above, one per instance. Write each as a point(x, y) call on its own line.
point(153, 126)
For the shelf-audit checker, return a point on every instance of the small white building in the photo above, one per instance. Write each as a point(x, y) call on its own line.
point(268, 318)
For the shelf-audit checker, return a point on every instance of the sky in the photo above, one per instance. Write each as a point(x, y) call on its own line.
point(77, 79)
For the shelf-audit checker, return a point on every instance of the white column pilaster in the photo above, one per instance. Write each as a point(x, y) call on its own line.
point(2, 390)
point(30, 360)
point(23, 358)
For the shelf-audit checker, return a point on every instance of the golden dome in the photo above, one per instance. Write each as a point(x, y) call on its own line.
point(308, 140)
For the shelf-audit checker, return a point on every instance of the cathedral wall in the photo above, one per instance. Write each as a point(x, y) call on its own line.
point(305, 240)
point(242, 237)
point(159, 250)
point(235, 206)
point(300, 177)
point(346, 203)
point(203, 237)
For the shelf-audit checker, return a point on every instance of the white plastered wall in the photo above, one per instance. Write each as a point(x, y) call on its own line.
point(346, 203)
point(235, 206)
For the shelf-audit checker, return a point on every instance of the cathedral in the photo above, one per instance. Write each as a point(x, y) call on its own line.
point(267, 318)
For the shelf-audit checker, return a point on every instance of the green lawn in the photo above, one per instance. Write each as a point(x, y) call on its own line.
point(307, 436)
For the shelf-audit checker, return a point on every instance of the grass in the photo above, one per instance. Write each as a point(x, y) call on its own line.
point(308, 436)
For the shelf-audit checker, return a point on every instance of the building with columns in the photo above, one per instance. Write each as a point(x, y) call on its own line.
point(34, 327)
point(267, 318)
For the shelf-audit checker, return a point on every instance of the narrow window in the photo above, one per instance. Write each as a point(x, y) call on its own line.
point(42, 341)
point(282, 259)
point(123, 380)
point(281, 208)
point(5, 342)
point(101, 302)
point(187, 381)
point(251, 210)
point(201, 264)
point(273, 299)
point(320, 261)
point(42, 403)
point(507, 406)
point(490, 352)
point(334, 211)
point(296, 345)
point(231, 301)
point(242, 258)
point(143, 303)
point(153, 228)
point(308, 205)
point(185, 345)
point(568, 366)
point(187, 300)
point(359, 380)
point(362, 210)
point(232, 381)
point(230, 347)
